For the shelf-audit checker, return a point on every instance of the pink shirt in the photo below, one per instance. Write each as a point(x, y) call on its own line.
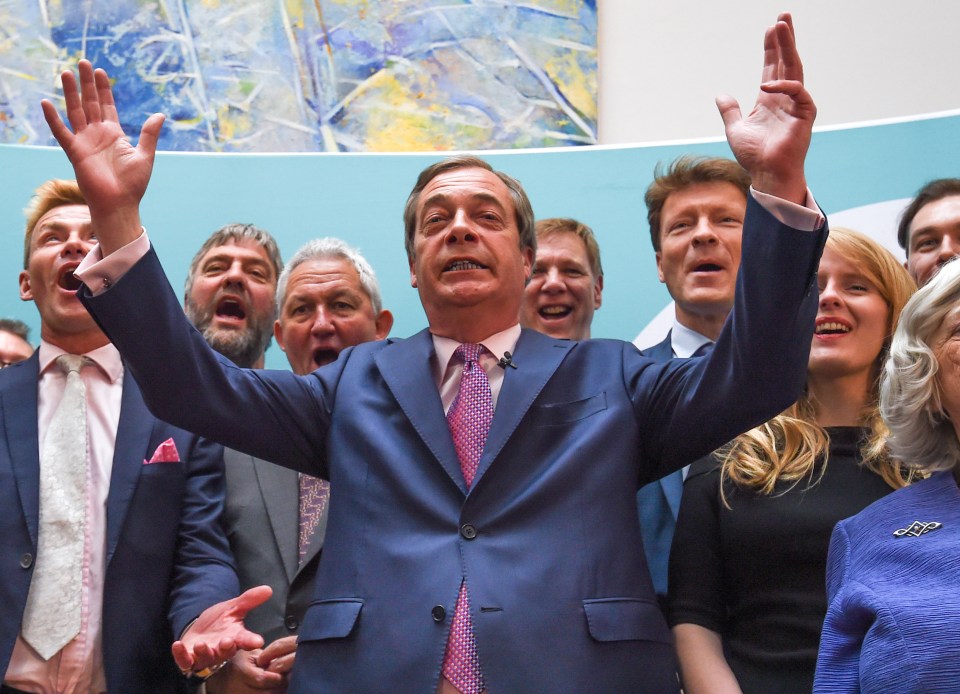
point(447, 374)
point(78, 667)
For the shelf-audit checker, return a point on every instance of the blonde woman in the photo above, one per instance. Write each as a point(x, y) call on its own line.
point(747, 597)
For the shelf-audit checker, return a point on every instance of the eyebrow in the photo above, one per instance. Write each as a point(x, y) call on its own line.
point(444, 198)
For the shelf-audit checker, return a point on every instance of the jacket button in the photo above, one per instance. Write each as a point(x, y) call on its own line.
point(468, 531)
point(291, 622)
point(438, 613)
point(26, 561)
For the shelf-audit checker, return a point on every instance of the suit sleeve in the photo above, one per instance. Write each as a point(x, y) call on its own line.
point(203, 572)
point(696, 559)
point(199, 390)
point(687, 408)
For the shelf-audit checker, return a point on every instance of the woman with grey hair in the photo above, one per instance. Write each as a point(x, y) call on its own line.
point(893, 621)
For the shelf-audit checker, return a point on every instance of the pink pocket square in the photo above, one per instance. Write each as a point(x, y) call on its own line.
point(166, 453)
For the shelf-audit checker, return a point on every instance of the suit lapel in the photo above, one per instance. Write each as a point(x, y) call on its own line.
point(280, 490)
point(537, 358)
point(672, 486)
point(130, 450)
point(19, 401)
point(662, 351)
point(405, 366)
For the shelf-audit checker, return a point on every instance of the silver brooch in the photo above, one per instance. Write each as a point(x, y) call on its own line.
point(917, 529)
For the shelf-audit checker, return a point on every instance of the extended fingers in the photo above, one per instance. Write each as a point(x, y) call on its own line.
point(181, 655)
point(108, 108)
point(59, 129)
point(791, 67)
point(89, 98)
point(71, 101)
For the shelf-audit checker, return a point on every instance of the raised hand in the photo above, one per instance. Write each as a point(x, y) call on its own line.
point(771, 142)
point(219, 632)
point(112, 173)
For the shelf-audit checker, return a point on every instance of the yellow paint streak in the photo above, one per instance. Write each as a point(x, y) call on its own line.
point(232, 123)
point(577, 86)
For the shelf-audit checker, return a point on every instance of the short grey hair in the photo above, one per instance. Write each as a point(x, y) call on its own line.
point(921, 432)
point(326, 248)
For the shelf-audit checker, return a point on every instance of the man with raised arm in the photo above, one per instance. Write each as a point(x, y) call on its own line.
point(483, 534)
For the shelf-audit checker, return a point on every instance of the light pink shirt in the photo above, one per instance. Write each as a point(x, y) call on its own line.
point(78, 667)
point(447, 374)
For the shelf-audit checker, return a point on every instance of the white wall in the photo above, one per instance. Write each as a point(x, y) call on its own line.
point(663, 62)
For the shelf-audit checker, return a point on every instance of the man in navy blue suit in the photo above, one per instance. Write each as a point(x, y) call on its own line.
point(521, 571)
point(142, 519)
point(695, 209)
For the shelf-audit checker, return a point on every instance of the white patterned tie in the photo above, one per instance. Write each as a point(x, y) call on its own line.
point(52, 615)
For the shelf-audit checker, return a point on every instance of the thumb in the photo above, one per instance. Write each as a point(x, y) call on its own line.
point(250, 599)
point(729, 110)
point(150, 133)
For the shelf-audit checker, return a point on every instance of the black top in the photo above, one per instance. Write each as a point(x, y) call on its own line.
point(755, 573)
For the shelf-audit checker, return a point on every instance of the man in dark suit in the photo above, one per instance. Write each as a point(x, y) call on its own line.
point(275, 517)
point(929, 229)
point(695, 210)
point(110, 555)
point(497, 546)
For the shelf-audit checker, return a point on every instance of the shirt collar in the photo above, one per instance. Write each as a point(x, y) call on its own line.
point(496, 344)
point(107, 359)
point(685, 341)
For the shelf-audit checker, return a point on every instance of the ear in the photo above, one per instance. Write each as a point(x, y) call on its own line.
point(528, 257)
point(26, 294)
point(598, 292)
point(413, 273)
point(384, 324)
point(660, 276)
point(278, 335)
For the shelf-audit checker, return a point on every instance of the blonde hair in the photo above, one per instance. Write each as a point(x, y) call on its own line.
point(56, 192)
point(787, 447)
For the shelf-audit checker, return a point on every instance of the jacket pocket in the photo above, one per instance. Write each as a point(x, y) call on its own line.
point(558, 413)
point(625, 619)
point(330, 619)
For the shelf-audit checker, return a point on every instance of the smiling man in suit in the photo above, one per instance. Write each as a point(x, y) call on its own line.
point(695, 209)
point(109, 518)
point(483, 532)
point(275, 518)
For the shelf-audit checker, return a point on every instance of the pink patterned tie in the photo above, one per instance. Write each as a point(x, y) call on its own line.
point(314, 494)
point(469, 421)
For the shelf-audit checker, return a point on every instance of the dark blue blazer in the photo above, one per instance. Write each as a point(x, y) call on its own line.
point(659, 503)
point(167, 557)
point(547, 538)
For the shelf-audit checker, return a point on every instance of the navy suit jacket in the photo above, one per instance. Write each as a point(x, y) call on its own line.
point(547, 537)
point(659, 503)
point(262, 521)
point(167, 557)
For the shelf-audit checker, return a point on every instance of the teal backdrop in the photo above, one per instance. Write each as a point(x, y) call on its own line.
point(360, 198)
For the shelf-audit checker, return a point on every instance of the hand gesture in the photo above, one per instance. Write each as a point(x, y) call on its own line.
point(219, 633)
point(771, 142)
point(112, 173)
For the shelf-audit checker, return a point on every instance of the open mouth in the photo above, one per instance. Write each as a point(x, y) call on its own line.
point(324, 356)
point(69, 282)
point(831, 328)
point(464, 265)
point(230, 308)
point(555, 312)
point(707, 267)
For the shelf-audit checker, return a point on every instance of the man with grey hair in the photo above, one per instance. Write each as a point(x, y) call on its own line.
point(228, 295)
point(275, 518)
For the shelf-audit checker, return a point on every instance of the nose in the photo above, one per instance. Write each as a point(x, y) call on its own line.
point(552, 281)
point(703, 233)
point(460, 229)
point(829, 297)
point(77, 245)
point(949, 248)
point(234, 274)
point(322, 323)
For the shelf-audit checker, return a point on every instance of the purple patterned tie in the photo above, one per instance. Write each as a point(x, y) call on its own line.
point(313, 502)
point(469, 421)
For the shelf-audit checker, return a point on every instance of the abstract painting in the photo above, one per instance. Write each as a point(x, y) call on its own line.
point(315, 75)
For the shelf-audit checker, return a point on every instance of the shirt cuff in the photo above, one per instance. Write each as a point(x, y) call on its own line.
point(806, 217)
point(100, 273)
